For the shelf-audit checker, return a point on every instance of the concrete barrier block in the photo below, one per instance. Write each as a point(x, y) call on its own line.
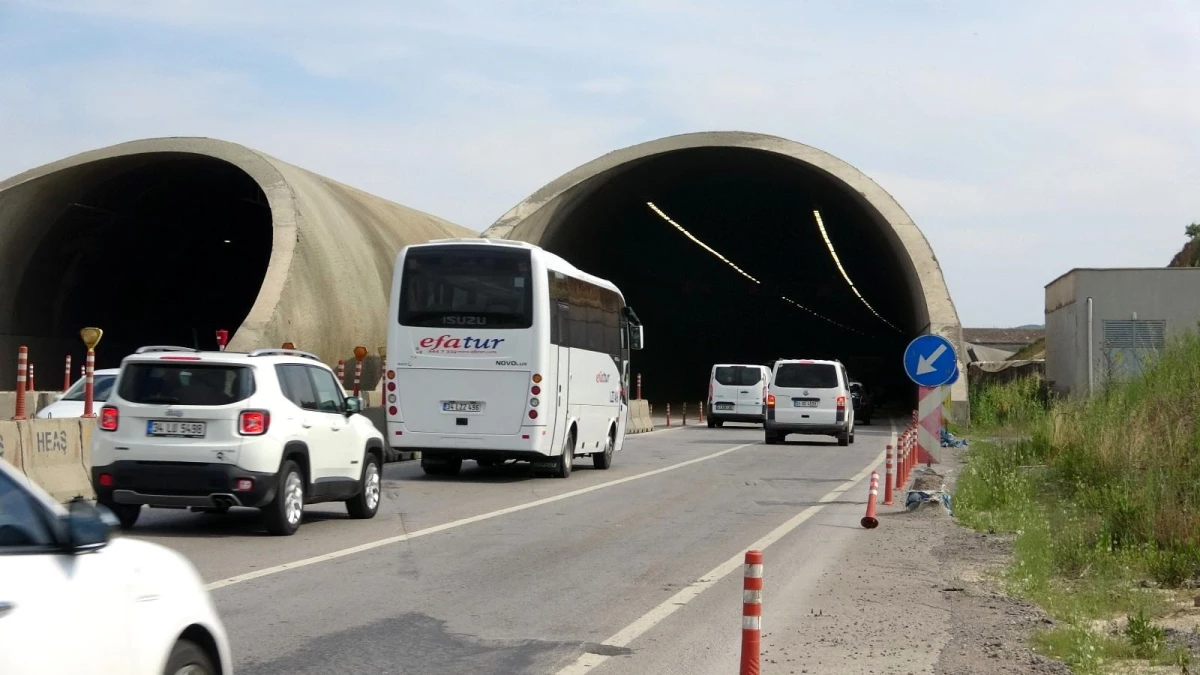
point(639, 421)
point(86, 426)
point(8, 404)
point(10, 445)
point(53, 456)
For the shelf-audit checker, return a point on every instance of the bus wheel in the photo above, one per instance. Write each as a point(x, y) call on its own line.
point(603, 460)
point(567, 458)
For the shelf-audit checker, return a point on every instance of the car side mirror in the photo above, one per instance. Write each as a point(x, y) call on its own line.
point(87, 528)
point(635, 338)
point(353, 405)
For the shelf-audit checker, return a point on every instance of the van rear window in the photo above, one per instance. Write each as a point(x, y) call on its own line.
point(806, 376)
point(180, 384)
point(738, 376)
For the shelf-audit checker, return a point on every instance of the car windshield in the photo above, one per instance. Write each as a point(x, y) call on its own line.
point(738, 376)
point(806, 376)
point(101, 388)
point(186, 384)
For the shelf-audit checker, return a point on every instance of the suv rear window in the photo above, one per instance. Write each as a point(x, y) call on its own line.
point(738, 376)
point(185, 384)
point(806, 376)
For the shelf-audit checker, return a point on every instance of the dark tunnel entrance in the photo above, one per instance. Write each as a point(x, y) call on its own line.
point(756, 209)
point(159, 248)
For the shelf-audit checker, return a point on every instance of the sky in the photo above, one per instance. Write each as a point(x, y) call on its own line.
point(1024, 138)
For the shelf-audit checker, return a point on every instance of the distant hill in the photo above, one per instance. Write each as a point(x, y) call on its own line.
point(1188, 256)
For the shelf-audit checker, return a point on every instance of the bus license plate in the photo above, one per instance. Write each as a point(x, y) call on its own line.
point(462, 406)
point(804, 404)
point(177, 429)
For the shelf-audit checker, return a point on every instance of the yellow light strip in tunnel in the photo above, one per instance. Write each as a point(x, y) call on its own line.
point(703, 245)
point(837, 261)
point(739, 270)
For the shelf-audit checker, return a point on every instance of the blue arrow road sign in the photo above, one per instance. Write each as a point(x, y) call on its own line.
point(930, 361)
point(954, 377)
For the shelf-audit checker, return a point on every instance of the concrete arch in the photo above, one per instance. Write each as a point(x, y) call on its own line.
point(325, 263)
point(541, 217)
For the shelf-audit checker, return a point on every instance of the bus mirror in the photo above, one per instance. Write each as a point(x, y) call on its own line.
point(635, 337)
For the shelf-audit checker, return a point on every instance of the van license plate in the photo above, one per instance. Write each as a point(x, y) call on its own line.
point(462, 406)
point(176, 429)
point(724, 406)
point(804, 404)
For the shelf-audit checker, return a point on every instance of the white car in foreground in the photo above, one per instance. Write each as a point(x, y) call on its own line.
point(74, 601)
point(70, 404)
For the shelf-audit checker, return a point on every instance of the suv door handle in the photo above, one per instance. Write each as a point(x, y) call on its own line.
point(336, 428)
point(306, 425)
point(6, 608)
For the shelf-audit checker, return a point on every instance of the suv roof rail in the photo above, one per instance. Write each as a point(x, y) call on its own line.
point(164, 348)
point(284, 352)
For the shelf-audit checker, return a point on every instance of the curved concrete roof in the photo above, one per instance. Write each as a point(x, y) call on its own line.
point(328, 281)
point(533, 219)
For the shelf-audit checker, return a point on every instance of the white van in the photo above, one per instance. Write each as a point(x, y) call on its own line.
point(737, 393)
point(809, 397)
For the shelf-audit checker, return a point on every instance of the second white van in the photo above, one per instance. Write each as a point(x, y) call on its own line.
point(809, 397)
point(737, 393)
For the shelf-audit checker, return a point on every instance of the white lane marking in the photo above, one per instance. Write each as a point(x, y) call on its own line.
point(325, 557)
point(690, 592)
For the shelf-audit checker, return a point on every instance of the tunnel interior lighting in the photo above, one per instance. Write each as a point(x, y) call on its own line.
point(739, 270)
point(702, 245)
point(837, 261)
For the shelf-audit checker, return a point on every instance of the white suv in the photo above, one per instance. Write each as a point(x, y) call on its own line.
point(809, 397)
point(271, 429)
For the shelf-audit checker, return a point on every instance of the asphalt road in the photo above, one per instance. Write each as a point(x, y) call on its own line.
point(633, 570)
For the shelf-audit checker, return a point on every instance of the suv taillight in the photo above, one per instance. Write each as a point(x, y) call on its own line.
point(841, 403)
point(770, 400)
point(254, 422)
point(109, 418)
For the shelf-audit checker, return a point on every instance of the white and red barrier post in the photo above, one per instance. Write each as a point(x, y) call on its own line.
point(869, 521)
point(639, 386)
point(67, 374)
point(22, 372)
point(91, 338)
point(752, 588)
point(890, 477)
point(360, 353)
point(32, 380)
point(668, 414)
point(341, 372)
point(700, 414)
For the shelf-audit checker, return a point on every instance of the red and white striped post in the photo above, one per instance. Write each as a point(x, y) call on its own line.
point(91, 337)
point(890, 477)
point(684, 417)
point(639, 386)
point(668, 414)
point(22, 371)
point(32, 380)
point(752, 588)
point(359, 354)
point(341, 372)
point(67, 374)
point(869, 521)
point(700, 414)
point(82, 370)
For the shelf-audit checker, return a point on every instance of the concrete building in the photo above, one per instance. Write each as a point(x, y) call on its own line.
point(1107, 323)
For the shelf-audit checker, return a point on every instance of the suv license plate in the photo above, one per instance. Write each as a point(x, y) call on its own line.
point(462, 406)
point(177, 429)
point(804, 404)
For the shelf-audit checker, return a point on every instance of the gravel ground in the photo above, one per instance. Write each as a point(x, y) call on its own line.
point(912, 596)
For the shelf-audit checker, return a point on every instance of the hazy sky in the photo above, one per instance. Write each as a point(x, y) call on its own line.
point(1025, 138)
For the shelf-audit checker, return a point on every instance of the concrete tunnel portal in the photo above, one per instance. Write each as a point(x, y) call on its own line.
point(778, 293)
point(166, 240)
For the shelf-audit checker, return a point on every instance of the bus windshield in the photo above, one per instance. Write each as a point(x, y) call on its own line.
point(468, 285)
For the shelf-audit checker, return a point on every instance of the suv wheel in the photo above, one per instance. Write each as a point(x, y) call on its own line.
point(188, 659)
point(127, 514)
point(771, 438)
point(285, 513)
point(366, 503)
point(844, 438)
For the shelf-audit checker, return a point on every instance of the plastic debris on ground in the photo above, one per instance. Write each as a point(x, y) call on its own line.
point(949, 441)
point(928, 488)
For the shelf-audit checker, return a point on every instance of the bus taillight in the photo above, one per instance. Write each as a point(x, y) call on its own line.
point(537, 379)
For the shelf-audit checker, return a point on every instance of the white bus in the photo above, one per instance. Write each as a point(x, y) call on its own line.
point(499, 350)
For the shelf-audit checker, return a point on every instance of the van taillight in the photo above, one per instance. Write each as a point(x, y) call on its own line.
point(841, 403)
point(254, 422)
point(710, 392)
point(770, 400)
point(109, 418)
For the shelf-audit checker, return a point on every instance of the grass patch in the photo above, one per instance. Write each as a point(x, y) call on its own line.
point(1101, 495)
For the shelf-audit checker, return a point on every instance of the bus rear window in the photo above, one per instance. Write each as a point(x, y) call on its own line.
point(465, 286)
